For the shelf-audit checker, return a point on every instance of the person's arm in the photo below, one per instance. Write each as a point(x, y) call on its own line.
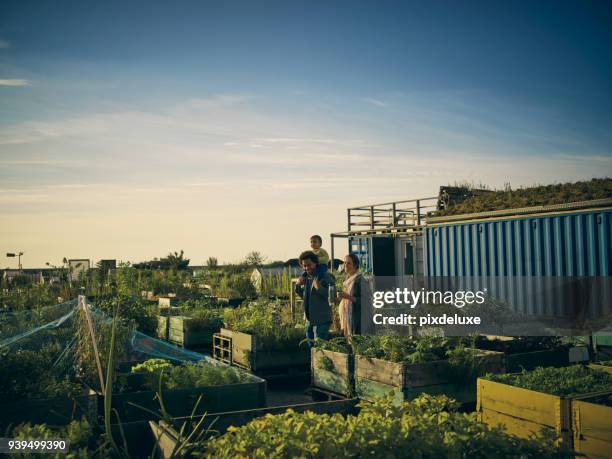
point(299, 290)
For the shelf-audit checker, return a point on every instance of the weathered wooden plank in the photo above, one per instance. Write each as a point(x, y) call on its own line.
point(537, 407)
point(379, 370)
point(338, 379)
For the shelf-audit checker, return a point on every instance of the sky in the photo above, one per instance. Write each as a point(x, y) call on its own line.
point(132, 129)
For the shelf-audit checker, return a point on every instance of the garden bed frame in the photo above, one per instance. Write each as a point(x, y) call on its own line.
point(376, 377)
point(249, 353)
point(525, 412)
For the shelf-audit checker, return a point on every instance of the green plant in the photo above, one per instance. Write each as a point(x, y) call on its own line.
point(271, 323)
point(424, 428)
point(131, 310)
point(519, 344)
point(188, 375)
point(28, 374)
point(79, 434)
point(563, 382)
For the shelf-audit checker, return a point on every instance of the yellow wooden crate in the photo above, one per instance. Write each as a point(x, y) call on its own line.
point(592, 427)
point(522, 411)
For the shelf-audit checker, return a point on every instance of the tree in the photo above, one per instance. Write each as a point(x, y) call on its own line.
point(176, 261)
point(254, 258)
point(212, 262)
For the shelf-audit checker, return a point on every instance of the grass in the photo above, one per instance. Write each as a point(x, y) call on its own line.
point(540, 195)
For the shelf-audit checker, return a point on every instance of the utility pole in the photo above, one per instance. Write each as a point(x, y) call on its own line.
point(18, 255)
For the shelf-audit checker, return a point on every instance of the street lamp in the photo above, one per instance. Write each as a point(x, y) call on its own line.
point(12, 255)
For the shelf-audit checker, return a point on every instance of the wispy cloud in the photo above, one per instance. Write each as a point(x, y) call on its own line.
point(14, 82)
point(378, 103)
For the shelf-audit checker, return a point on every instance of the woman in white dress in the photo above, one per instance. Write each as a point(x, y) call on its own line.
point(349, 299)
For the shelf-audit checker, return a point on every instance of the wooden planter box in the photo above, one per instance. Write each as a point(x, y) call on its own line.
point(249, 353)
point(525, 412)
point(560, 357)
point(340, 379)
point(55, 411)
point(592, 427)
point(375, 377)
point(181, 332)
point(181, 402)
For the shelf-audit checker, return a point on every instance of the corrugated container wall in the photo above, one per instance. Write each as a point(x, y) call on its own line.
point(568, 244)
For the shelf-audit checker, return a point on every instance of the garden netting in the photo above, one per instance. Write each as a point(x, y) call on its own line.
point(60, 336)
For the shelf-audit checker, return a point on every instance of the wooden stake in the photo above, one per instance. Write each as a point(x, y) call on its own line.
point(83, 305)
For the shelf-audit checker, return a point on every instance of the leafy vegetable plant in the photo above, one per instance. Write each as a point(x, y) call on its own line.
point(564, 382)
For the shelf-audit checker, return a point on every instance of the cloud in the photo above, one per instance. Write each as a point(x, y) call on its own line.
point(378, 103)
point(4, 44)
point(14, 82)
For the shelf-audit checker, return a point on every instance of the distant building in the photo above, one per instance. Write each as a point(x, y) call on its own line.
point(78, 267)
point(35, 276)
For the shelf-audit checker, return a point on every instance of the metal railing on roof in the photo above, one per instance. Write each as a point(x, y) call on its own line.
point(390, 215)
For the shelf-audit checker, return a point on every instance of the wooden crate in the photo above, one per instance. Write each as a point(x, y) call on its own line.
point(592, 426)
point(523, 412)
point(249, 353)
point(340, 379)
point(376, 377)
point(222, 348)
point(181, 332)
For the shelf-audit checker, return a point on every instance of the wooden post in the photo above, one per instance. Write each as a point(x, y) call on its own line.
point(371, 217)
point(292, 299)
point(394, 215)
point(418, 212)
point(83, 305)
point(348, 219)
point(332, 252)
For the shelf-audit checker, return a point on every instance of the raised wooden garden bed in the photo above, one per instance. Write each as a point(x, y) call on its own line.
point(183, 331)
point(180, 402)
point(248, 352)
point(592, 425)
point(523, 412)
point(376, 377)
point(333, 371)
point(560, 356)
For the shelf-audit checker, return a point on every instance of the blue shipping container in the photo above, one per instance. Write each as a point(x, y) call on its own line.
point(555, 244)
